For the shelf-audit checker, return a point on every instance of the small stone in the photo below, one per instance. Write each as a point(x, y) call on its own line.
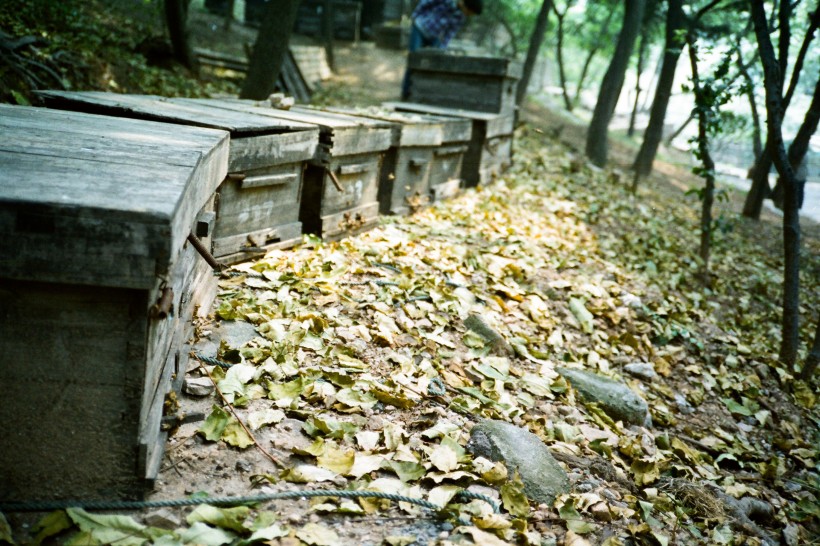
point(198, 386)
point(791, 534)
point(683, 404)
point(244, 466)
point(163, 518)
point(642, 370)
point(584, 487)
point(294, 517)
point(610, 494)
point(520, 449)
point(600, 511)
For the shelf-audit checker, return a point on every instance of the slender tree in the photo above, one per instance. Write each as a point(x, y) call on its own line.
point(709, 98)
point(596, 144)
point(270, 49)
point(559, 53)
point(759, 172)
point(791, 220)
point(676, 24)
point(536, 39)
point(600, 37)
point(748, 89)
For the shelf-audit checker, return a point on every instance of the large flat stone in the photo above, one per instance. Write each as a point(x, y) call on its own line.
point(520, 449)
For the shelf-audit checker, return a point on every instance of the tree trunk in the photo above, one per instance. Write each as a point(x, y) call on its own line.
point(749, 88)
point(639, 70)
point(597, 145)
point(176, 17)
point(536, 39)
point(813, 358)
point(590, 54)
point(708, 196)
point(675, 21)
point(270, 49)
point(799, 147)
point(814, 23)
point(760, 190)
point(759, 172)
point(559, 55)
point(327, 32)
point(791, 219)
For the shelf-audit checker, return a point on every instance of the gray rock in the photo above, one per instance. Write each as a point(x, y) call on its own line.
point(543, 477)
point(198, 386)
point(164, 518)
point(643, 370)
point(477, 324)
point(615, 398)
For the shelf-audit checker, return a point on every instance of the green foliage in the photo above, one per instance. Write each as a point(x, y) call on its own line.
point(93, 45)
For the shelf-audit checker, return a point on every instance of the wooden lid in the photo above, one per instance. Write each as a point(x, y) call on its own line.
point(99, 200)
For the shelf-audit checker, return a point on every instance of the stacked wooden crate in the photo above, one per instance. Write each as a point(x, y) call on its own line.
point(98, 286)
point(404, 180)
point(258, 203)
point(340, 195)
point(423, 164)
point(481, 89)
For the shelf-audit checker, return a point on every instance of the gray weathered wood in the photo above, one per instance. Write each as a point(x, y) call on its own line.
point(490, 147)
point(258, 142)
point(193, 112)
point(93, 214)
point(486, 84)
point(443, 61)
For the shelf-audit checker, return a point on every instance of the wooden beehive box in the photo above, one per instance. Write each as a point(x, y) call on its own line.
point(98, 286)
point(481, 84)
point(340, 194)
point(448, 159)
point(489, 152)
point(258, 203)
point(404, 182)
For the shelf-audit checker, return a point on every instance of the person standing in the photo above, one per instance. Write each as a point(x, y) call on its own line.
point(435, 22)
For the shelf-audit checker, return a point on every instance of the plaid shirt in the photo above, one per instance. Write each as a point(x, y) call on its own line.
point(438, 19)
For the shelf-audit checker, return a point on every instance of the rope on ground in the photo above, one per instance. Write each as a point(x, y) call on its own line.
point(212, 361)
point(47, 506)
point(436, 387)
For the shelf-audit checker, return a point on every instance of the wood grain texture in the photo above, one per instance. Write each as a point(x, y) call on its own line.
point(443, 61)
point(98, 200)
point(192, 112)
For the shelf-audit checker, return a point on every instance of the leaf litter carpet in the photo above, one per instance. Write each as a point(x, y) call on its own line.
point(353, 369)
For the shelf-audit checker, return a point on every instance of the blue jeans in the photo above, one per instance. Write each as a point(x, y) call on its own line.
point(417, 41)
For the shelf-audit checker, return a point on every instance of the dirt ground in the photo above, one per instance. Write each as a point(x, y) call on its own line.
point(366, 75)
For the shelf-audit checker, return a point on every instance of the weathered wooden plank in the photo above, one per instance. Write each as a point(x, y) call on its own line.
point(237, 248)
point(72, 381)
point(407, 186)
point(408, 129)
point(445, 169)
point(407, 106)
point(442, 61)
point(350, 222)
point(49, 121)
point(464, 91)
point(267, 150)
point(75, 221)
point(445, 190)
point(92, 148)
point(171, 110)
point(245, 208)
